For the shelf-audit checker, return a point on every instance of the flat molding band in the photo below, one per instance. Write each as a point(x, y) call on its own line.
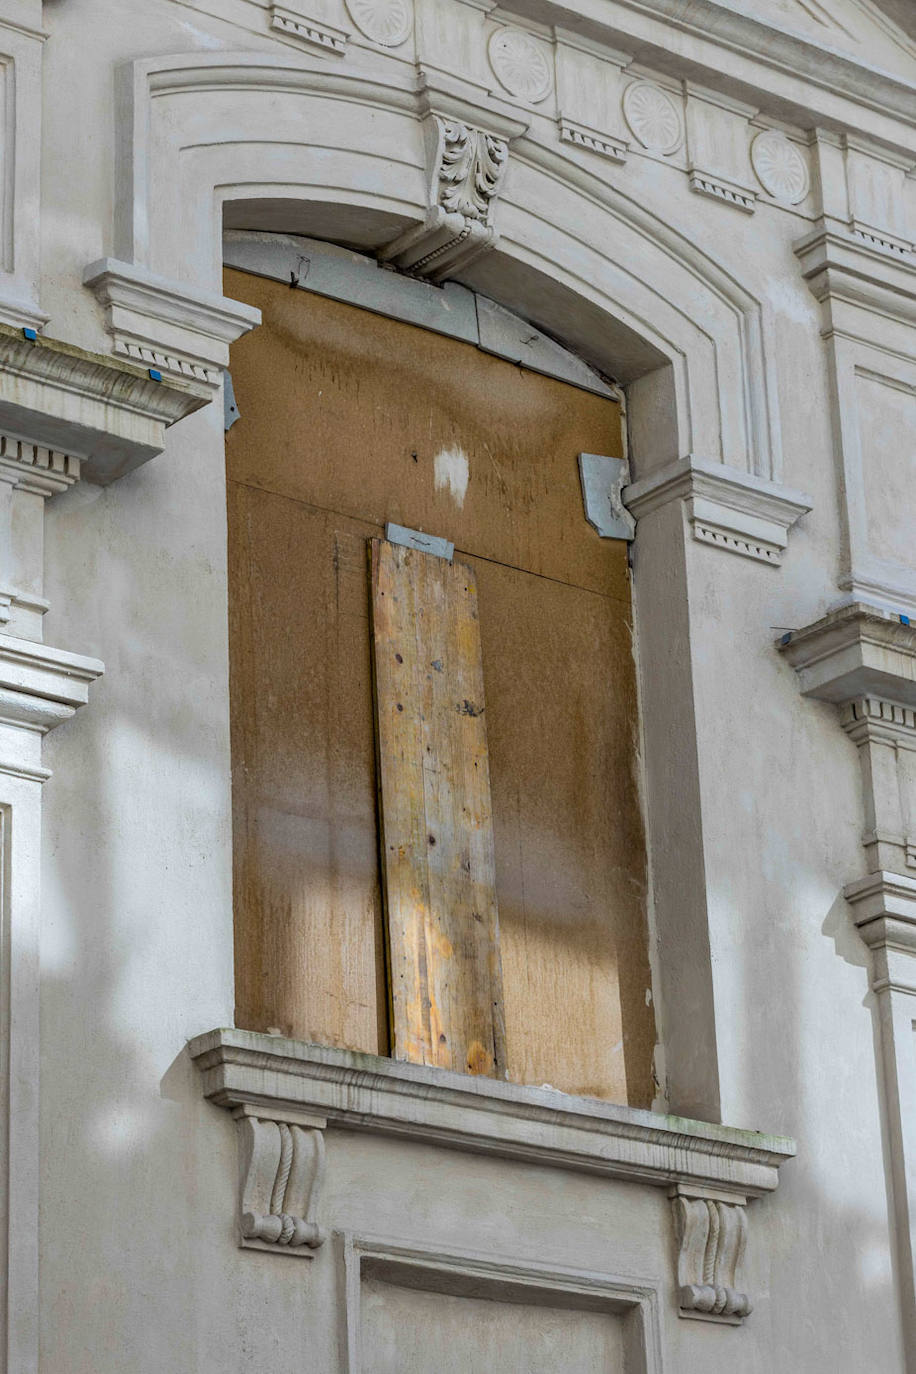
point(365, 1092)
point(731, 510)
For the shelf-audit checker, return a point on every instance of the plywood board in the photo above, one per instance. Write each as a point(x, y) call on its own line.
point(436, 817)
point(384, 421)
point(344, 416)
point(309, 953)
point(570, 860)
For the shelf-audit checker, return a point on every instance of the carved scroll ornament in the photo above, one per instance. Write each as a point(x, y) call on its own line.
point(467, 170)
point(281, 1166)
point(712, 1235)
point(471, 167)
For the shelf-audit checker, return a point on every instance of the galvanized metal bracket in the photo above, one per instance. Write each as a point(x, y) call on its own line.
point(603, 480)
point(231, 412)
point(416, 539)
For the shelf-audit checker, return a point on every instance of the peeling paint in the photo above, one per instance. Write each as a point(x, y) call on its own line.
point(450, 468)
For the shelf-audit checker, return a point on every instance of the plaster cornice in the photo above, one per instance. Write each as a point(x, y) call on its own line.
point(41, 686)
point(854, 651)
point(840, 265)
point(174, 327)
point(723, 25)
point(106, 412)
point(731, 509)
point(249, 1070)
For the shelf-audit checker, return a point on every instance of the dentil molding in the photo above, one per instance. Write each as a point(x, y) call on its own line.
point(731, 510)
point(293, 1090)
point(314, 34)
point(177, 330)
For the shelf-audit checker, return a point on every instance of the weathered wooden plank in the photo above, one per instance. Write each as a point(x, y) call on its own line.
point(439, 875)
point(570, 863)
point(309, 948)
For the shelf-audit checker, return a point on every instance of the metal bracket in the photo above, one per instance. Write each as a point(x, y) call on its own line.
point(231, 412)
point(603, 480)
point(416, 539)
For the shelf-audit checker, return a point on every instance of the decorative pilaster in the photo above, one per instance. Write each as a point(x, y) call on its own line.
point(40, 687)
point(863, 658)
point(711, 1233)
point(64, 414)
point(860, 266)
point(467, 167)
point(29, 474)
point(281, 1170)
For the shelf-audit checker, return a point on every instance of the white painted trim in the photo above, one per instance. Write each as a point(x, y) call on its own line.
point(821, 66)
point(178, 330)
point(505, 1278)
point(453, 310)
point(863, 658)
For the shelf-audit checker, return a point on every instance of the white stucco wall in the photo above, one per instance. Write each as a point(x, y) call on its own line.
point(139, 1268)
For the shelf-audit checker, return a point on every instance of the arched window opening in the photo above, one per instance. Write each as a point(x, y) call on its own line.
point(349, 421)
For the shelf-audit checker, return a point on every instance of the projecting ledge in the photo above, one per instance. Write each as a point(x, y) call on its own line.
point(856, 650)
point(252, 1073)
point(731, 510)
point(110, 414)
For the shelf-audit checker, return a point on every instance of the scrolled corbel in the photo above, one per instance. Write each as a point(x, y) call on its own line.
point(281, 1170)
point(712, 1236)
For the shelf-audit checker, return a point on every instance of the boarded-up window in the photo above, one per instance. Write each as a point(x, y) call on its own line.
point(350, 420)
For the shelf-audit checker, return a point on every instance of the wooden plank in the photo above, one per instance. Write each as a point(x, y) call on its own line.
point(309, 944)
point(570, 856)
point(439, 876)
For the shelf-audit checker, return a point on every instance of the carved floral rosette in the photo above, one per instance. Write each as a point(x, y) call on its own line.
point(780, 167)
point(519, 64)
point(386, 22)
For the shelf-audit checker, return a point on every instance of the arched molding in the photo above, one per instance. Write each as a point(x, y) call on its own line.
point(202, 132)
point(262, 141)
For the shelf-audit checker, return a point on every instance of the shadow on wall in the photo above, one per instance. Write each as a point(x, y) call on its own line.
point(138, 1173)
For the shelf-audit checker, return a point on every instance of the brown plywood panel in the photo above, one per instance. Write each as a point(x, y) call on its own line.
point(384, 421)
point(343, 417)
point(436, 817)
point(570, 856)
point(309, 954)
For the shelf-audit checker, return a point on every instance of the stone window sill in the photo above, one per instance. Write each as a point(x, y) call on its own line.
point(284, 1093)
point(357, 1091)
